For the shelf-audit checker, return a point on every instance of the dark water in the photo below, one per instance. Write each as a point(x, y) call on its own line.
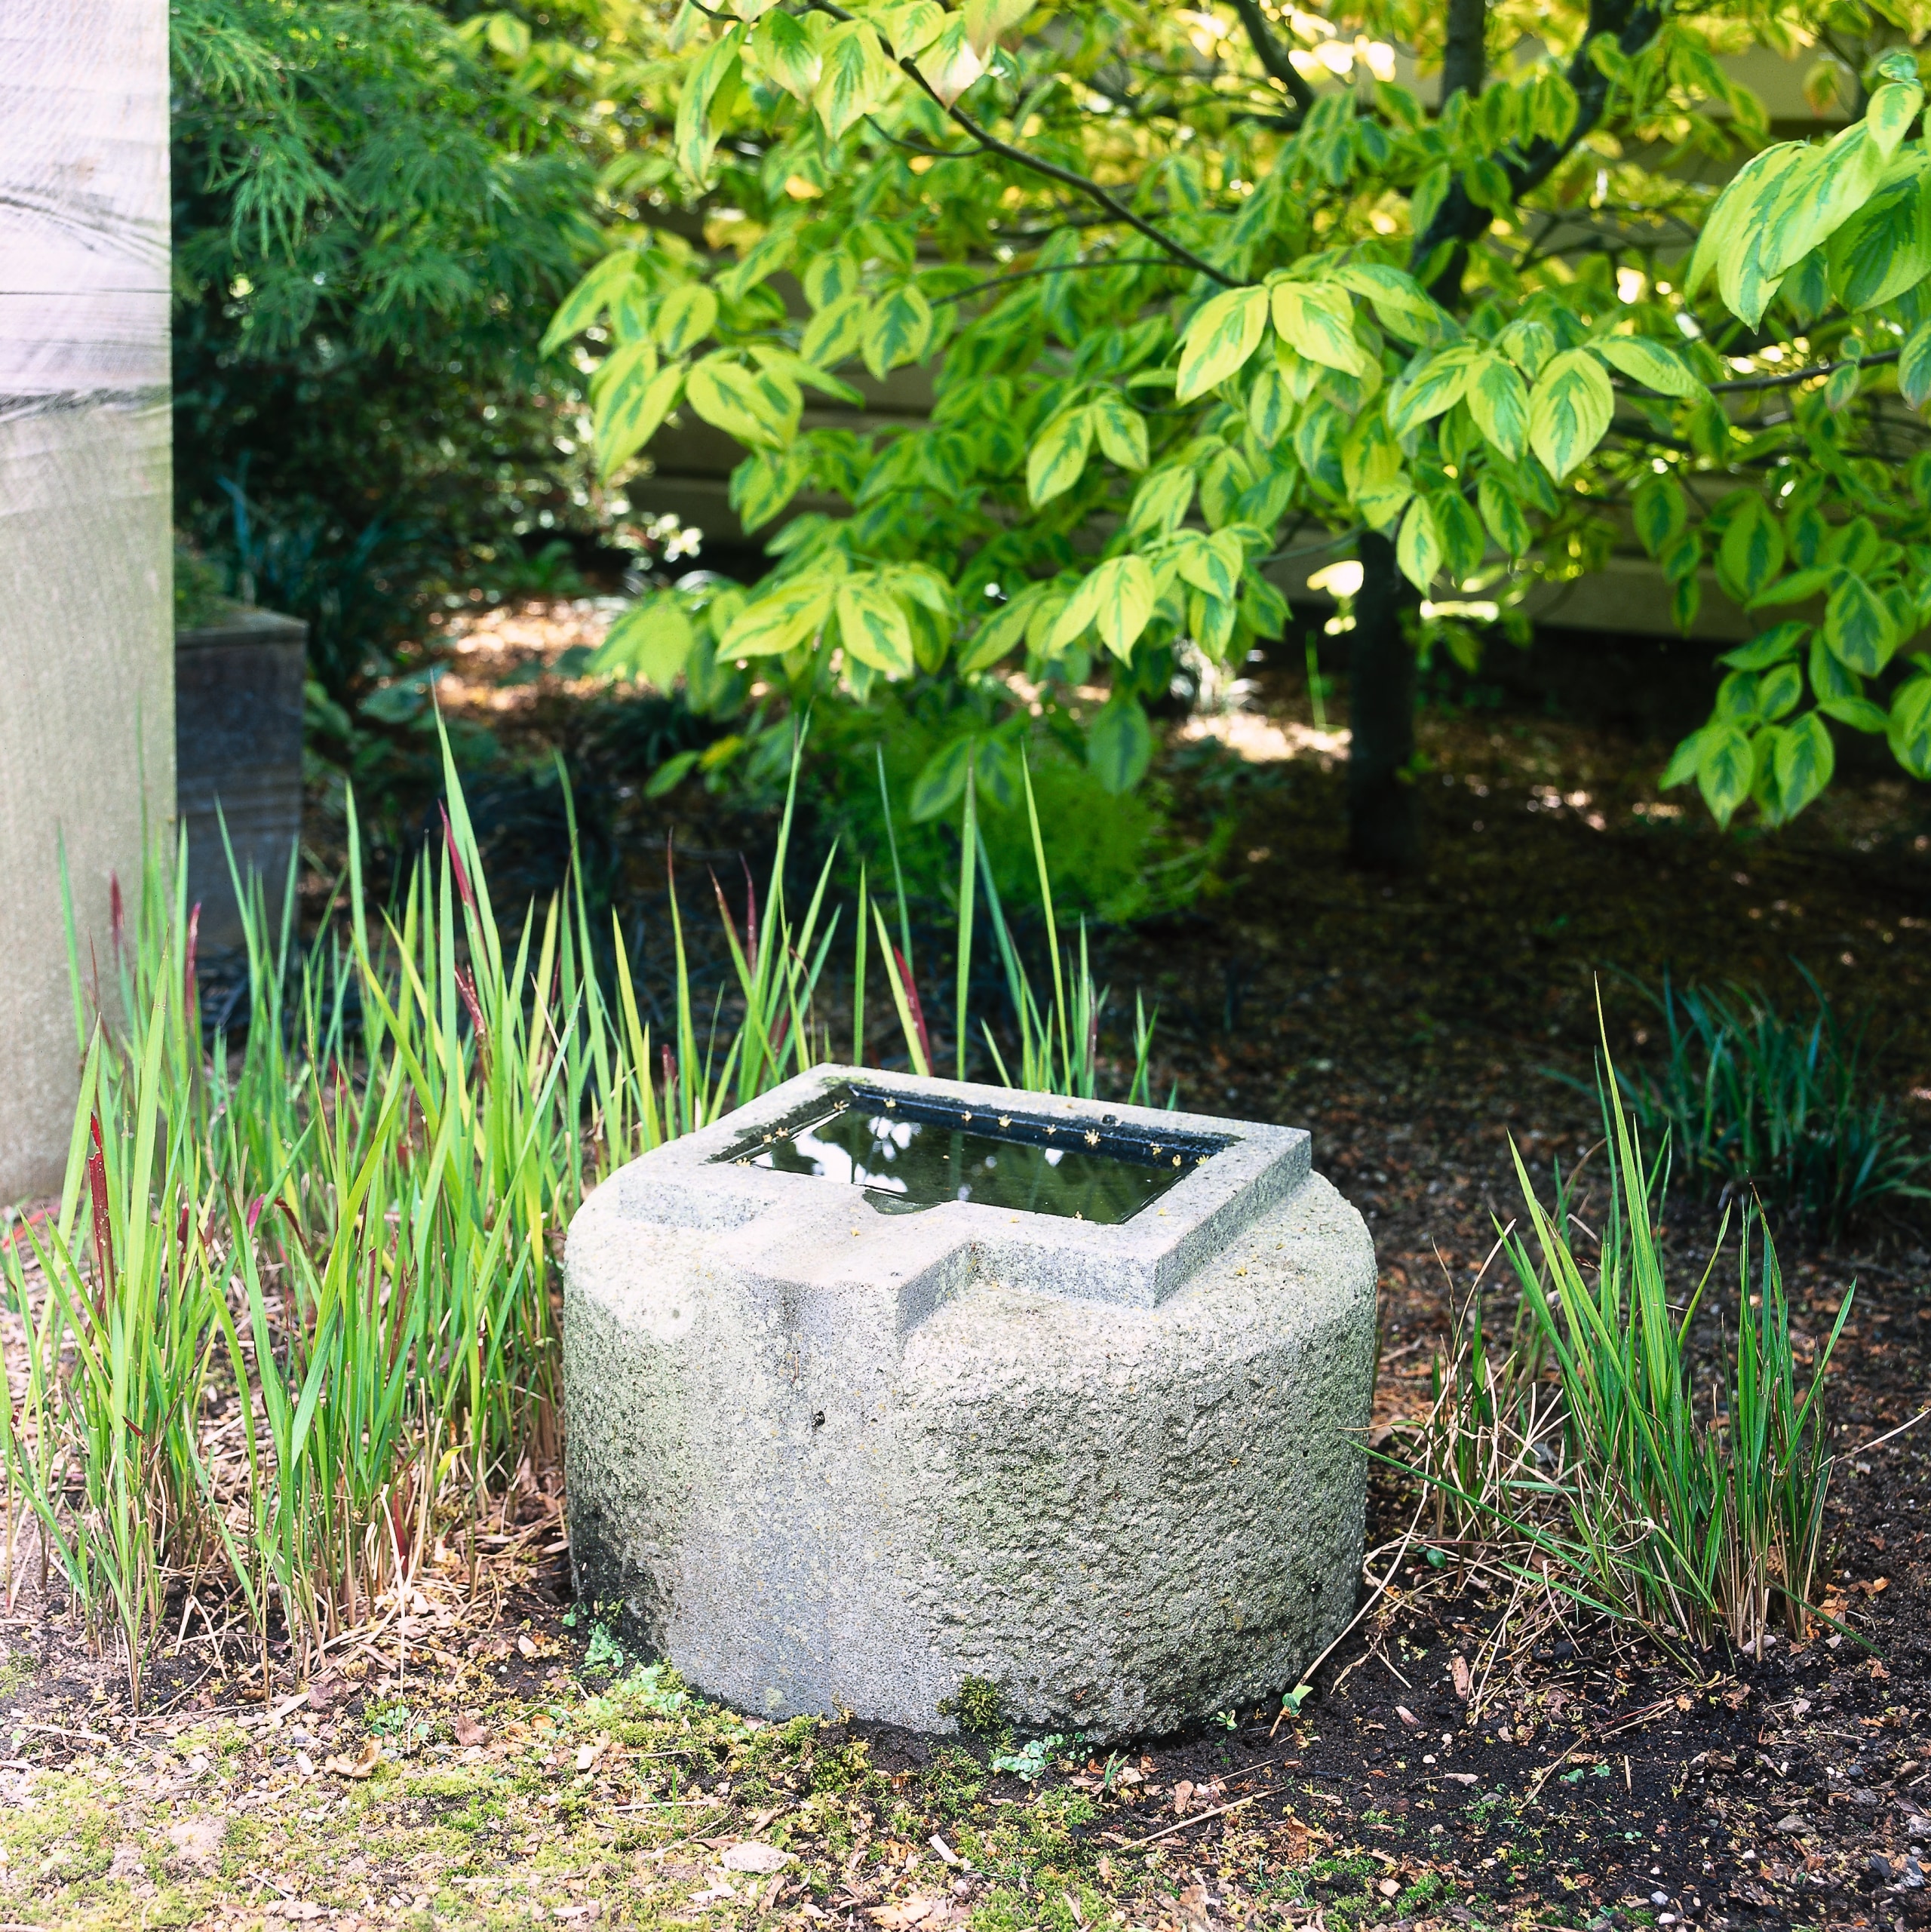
point(910, 1152)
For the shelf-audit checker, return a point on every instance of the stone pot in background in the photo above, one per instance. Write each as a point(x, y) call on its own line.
point(238, 745)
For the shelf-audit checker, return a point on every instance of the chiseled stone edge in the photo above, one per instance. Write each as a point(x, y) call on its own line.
point(1143, 1260)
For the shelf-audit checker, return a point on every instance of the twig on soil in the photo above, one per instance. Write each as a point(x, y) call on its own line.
point(1307, 1676)
point(61, 1730)
point(1481, 1697)
point(1636, 1718)
point(1541, 1777)
point(1878, 1441)
point(1199, 1818)
point(161, 1710)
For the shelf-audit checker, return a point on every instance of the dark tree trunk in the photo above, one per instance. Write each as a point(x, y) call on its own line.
point(1464, 67)
point(1383, 833)
point(1465, 50)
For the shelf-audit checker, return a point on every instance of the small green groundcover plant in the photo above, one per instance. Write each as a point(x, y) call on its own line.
point(1611, 1459)
point(340, 1234)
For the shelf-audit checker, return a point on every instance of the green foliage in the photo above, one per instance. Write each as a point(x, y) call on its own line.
point(979, 1707)
point(369, 204)
point(200, 597)
point(1032, 1760)
point(1751, 1097)
point(1159, 268)
point(1589, 1442)
point(649, 1690)
point(1111, 857)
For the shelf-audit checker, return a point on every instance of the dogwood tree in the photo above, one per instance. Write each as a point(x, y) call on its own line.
point(1209, 296)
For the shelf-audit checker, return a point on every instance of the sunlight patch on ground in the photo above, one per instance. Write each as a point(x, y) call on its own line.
point(1267, 741)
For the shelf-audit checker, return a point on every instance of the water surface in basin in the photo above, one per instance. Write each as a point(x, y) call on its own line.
point(909, 1152)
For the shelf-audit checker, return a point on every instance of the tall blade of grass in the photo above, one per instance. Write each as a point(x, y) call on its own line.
point(858, 973)
point(637, 1038)
point(914, 1042)
point(1052, 934)
point(968, 866)
point(897, 876)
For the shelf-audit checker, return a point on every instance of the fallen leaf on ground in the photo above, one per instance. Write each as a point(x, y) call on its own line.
point(1183, 1796)
point(1458, 1669)
point(751, 1856)
point(913, 1911)
point(587, 1755)
point(468, 1731)
point(1407, 1717)
point(364, 1762)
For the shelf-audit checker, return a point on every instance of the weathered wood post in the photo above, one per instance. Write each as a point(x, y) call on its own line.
point(87, 697)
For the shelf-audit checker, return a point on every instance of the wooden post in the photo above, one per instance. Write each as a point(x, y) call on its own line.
point(87, 691)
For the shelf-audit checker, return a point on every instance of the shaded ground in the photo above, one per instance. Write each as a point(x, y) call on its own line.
point(524, 1773)
point(502, 1764)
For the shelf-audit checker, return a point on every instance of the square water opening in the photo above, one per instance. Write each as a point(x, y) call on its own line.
point(907, 1152)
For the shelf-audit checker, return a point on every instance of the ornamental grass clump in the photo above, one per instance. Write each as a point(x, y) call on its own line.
point(1611, 1461)
point(1752, 1097)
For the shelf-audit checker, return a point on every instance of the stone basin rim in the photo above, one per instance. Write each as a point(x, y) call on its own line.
point(1142, 1260)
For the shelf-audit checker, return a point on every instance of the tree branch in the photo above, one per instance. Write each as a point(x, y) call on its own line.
point(1786, 377)
point(1272, 54)
point(1634, 24)
point(1054, 269)
point(1051, 170)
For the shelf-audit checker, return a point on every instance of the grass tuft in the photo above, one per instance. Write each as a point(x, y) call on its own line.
point(1753, 1099)
point(1615, 1466)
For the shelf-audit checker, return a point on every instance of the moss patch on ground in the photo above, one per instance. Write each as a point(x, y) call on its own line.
point(616, 1796)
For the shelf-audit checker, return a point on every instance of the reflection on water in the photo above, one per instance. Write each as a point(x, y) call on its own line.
point(911, 1152)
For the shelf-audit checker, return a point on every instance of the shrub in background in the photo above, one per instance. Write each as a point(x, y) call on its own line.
point(369, 207)
point(1113, 857)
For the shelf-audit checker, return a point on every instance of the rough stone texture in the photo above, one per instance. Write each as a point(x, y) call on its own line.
point(823, 1457)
